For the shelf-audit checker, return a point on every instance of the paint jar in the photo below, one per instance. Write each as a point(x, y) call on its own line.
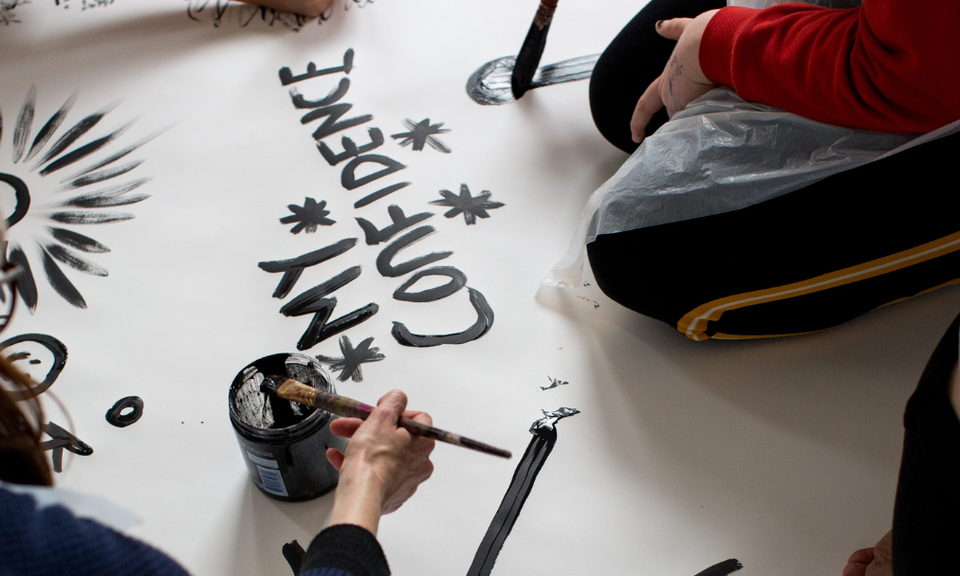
point(283, 443)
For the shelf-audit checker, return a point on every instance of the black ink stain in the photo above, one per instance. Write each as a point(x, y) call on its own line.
point(722, 569)
point(470, 206)
point(293, 553)
point(349, 363)
point(483, 324)
point(421, 133)
point(126, 411)
point(544, 438)
point(308, 216)
point(554, 382)
point(490, 84)
point(60, 440)
point(57, 349)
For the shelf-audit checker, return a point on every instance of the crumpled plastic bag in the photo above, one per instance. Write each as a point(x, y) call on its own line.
point(720, 154)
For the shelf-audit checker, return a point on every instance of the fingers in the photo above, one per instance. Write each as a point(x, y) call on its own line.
point(673, 28)
point(389, 408)
point(421, 417)
point(863, 556)
point(335, 457)
point(345, 427)
point(648, 105)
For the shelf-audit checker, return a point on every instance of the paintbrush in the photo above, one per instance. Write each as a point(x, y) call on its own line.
point(290, 389)
point(532, 49)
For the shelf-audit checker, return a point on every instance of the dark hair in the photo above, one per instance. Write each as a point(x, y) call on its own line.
point(21, 458)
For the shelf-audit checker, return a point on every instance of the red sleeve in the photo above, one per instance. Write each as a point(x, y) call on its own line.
point(890, 65)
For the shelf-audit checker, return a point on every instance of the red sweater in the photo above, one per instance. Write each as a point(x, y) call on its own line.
point(890, 65)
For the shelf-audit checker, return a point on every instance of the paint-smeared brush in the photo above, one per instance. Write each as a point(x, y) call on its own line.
point(290, 389)
point(532, 49)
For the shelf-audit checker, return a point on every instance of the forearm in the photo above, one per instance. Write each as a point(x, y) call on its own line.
point(358, 501)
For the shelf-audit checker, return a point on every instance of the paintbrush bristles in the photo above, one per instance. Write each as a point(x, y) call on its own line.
point(532, 49)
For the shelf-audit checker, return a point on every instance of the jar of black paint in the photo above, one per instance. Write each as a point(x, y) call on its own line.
point(284, 444)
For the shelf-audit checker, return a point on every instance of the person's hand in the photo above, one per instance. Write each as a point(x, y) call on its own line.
point(876, 561)
point(682, 80)
point(382, 465)
point(309, 8)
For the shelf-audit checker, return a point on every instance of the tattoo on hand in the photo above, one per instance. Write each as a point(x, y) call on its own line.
point(676, 70)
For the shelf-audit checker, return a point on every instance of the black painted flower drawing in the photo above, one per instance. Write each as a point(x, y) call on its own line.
point(308, 216)
point(472, 207)
point(421, 133)
point(349, 364)
point(63, 176)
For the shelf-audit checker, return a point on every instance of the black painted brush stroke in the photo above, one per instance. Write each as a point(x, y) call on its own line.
point(122, 153)
point(59, 282)
point(293, 268)
point(21, 196)
point(490, 84)
point(421, 133)
point(287, 77)
point(109, 197)
point(7, 16)
point(82, 152)
point(117, 415)
point(385, 259)
point(100, 176)
point(470, 206)
point(374, 196)
point(722, 568)
point(308, 216)
point(26, 285)
point(314, 301)
point(85, 218)
point(349, 363)
point(483, 324)
point(544, 439)
point(72, 260)
point(75, 132)
point(59, 353)
point(398, 222)
point(61, 439)
point(457, 281)
point(21, 132)
point(51, 126)
point(554, 382)
point(293, 553)
point(78, 241)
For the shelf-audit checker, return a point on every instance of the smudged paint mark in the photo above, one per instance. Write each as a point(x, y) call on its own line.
point(308, 216)
point(457, 281)
point(58, 352)
point(421, 133)
point(24, 122)
point(490, 84)
point(544, 438)
point(60, 440)
point(293, 553)
point(125, 412)
point(349, 363)
point(78, 241)
point(554, 382)
point(470, 206)
point(483, 324)
point(59, 282)
point(722, 569)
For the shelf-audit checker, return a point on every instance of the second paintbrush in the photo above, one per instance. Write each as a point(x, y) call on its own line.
point(294, 391)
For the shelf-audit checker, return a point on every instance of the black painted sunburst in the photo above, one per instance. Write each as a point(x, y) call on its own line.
point(57, 178)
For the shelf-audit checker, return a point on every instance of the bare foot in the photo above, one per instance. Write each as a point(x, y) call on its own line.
point(876, 561)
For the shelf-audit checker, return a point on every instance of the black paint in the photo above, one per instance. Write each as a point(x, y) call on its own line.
point(349, 363)
point(308, 216)
point(348, 177)
point(57, 349)
point(84, 218)
point(554, 382)
point(374, 196)
point(122, 153)
point(72, 260)
point(51, 126)
point(59, 282)
point(470, 206)
point(26, 285)
point(78, 241)
point(102, 175)
point(287, 77)
point(421, 133)
point(82, 152)
point(722, 569)
point(110, 196)
point(7, 17)
point(385, 259)
point(21, 131)
point(457, 281)
point(60, 440)
point(75, 132)
point(544, 438)
point(293, 268)
point(125, 412)
point(483, 324)
point(399, 222)
point(350, 148)
point(22, 196)
point(491, 83)
point(293, 553)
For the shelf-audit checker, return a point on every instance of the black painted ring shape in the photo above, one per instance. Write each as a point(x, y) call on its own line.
point(116, 417)
point(22, 196)
point(56, 347)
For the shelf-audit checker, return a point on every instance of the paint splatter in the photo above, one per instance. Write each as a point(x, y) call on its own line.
point(308, 216)
point(349, 363)
point(554, 382)
point(490, 84)
point(544, 438)
point(125, 412)
point(61, 439)
point(293, 553)
point(722, 569)
point(421, 133)
point(55, 148)
point(470, 206)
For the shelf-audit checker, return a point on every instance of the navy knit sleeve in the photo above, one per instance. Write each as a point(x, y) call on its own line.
point(344, 550)
point(51, 540)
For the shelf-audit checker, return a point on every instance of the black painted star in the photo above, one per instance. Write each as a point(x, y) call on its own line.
point(471, 206)
point(349, 364)
point(60, 440)
point(422, 133)
point(308, 216)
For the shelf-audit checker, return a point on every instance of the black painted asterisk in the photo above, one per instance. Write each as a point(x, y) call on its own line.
point(422, 133)
point(471, 206)
point(349, 364)
point(308, 216)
